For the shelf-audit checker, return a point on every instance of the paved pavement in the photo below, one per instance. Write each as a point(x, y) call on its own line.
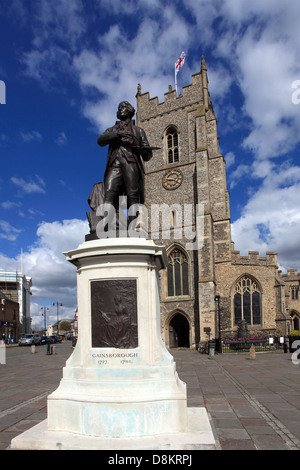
point(252, 404)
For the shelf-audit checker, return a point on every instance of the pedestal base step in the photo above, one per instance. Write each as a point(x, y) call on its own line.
point(199, 436)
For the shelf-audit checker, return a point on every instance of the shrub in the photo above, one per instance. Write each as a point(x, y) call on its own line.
point(295, 333)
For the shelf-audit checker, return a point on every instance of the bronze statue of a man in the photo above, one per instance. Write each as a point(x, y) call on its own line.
point(128, 146)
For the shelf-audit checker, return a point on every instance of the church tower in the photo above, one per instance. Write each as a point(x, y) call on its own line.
point(188, 207)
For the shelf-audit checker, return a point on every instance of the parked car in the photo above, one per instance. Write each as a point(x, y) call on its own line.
point(56, 338)
point(46, 339)
point(29, 339)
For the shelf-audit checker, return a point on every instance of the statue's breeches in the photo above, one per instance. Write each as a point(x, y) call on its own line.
point(122, 178)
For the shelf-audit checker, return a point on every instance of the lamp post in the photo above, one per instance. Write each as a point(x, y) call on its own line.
point(217, 299)
point(57, 305)
point(44, 315)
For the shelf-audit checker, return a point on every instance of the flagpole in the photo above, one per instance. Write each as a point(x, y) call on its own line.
point(175, 79)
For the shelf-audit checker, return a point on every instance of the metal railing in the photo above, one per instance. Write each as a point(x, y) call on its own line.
point(261, 345)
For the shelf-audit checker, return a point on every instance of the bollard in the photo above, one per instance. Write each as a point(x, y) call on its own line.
point(32, 349)
point(252, 352)
point(211, 348)
point(2, 352)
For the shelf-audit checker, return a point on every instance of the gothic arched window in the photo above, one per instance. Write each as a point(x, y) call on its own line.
point(247, 301)
point(177, 274)
point(294, 292)
point(172, 145)
point(295, 320)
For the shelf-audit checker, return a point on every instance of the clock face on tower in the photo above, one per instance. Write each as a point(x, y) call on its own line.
point(172, 179)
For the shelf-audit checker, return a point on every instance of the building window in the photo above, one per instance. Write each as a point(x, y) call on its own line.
point(172, 145)
point(295, 320)
point(177, 274)
point(294, 293)
point(247, 301)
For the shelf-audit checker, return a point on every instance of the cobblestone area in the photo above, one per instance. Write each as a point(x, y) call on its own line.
point(252, 404)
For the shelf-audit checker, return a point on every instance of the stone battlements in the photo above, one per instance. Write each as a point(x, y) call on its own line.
point(150, 107)
point(253, 258)
point(291, 275)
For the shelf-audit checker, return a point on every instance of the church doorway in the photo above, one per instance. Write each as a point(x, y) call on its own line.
point(179, 332)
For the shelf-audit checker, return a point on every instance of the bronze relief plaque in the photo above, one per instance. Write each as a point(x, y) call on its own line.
point(114, 313)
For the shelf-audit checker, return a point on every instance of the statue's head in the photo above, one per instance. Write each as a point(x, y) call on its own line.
point(125, 110)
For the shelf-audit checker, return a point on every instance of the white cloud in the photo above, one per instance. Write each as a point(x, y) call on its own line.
point(59, 20)
point(8, 231)
point(261, 44)
point(61, 139)
point(117, 61)
point(121, 63)
point(61, 236)
point(10, 205)
point(230, 159)
point(34, 185)
point(34, 213)
point(237, 174)
point(53, 277)
point(31, 136)
point(257, 44)
point(270, 221)
point(267, 90)
point(128, 7)
point(220, 81)
point(44, 65)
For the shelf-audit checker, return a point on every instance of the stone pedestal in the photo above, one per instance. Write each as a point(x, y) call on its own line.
point(119, 383)
point(109, 391)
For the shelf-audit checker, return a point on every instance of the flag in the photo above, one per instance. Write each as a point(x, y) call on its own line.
point(179, 62)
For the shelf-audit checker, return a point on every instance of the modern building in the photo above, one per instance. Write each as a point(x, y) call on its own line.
point(9, 319)
point(208, 287)
point(16, 287)
point(56, 328)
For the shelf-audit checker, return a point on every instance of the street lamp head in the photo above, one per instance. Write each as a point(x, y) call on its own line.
point(217, 298)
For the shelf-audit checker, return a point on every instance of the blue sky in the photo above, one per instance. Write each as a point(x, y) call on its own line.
point(67, 64)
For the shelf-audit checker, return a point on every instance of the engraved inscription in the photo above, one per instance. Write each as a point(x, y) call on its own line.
point(114, 313)
point(108, 359)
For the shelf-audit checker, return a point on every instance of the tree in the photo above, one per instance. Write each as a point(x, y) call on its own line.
point(65, 326)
